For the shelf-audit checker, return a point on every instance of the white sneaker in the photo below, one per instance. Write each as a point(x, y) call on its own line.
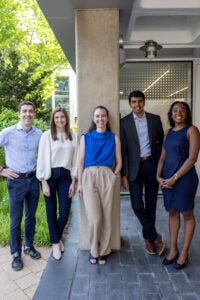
point(56, 251)
point(62, 247)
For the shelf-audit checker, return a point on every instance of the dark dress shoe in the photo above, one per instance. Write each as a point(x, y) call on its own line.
point(17, 263)
point(170, 261)
point(178, 266)
point(34, 254)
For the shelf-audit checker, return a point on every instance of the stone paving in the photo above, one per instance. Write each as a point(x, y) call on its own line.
point(130, 274)
point(21, 285)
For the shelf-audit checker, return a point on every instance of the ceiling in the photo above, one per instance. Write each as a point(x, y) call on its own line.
point(174, 24)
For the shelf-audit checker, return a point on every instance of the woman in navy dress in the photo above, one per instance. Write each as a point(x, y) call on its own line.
point(178, 179)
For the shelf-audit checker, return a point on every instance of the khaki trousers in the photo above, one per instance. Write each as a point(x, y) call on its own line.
point(98, 191)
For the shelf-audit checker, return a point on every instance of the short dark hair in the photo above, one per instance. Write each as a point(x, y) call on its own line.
point(25, 103)
point(136, 94)
point(188, 119)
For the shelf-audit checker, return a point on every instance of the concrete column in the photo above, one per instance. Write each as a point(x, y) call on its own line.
point(97, 68)
point(196, 106)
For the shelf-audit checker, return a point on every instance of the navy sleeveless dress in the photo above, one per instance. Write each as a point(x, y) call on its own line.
point(181, 196)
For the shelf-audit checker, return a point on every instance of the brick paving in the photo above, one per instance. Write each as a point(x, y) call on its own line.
point(130, 274)
point(21, 285)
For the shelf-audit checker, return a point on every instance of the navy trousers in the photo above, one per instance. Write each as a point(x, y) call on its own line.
point(59, 184)
point(145, 209)
point(23, 193)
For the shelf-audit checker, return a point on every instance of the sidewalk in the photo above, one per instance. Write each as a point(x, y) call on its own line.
point(130, 274)
point(21, 285)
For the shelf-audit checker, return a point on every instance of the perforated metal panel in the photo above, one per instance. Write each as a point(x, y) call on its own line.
point(161, 82)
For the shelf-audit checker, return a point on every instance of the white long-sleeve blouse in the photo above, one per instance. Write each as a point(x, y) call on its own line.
point(56, 154)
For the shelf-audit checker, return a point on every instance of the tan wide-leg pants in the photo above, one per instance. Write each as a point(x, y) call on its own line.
point(98, 191)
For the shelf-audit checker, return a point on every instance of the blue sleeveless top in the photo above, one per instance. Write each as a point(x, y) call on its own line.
point(99, 148)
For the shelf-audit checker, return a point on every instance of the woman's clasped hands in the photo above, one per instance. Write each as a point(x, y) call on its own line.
point(166, 183)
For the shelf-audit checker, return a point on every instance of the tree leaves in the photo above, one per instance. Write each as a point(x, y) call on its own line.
point(29, 54)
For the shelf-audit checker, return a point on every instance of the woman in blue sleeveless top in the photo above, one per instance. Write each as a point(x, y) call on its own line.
point(178, 179)
point(99, 164)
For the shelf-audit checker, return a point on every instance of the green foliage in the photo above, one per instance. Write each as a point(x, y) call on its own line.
point(30, 53)
point(19, 84)
point(2, 157)
point(4, 228)
point(4, 214)
point(39, 123)
point(8, 118)
point(74, 128)
point(42, 232)
point(4, 198)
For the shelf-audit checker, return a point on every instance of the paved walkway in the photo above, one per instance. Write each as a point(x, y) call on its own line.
point(130, 274)
point(21, 285)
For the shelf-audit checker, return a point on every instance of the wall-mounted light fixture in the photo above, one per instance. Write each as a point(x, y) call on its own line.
point(150, 47)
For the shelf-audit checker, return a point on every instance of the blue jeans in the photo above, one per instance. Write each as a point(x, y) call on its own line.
point(23, 193)
point(145, 210)
point(59, 184)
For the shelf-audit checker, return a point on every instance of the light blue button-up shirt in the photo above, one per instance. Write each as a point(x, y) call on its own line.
point(143, 135)
point(20, 147)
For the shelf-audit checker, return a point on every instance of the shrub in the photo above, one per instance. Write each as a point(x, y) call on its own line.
point(7, 118)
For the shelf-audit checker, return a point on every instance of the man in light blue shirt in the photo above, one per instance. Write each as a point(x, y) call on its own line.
point(21, 143)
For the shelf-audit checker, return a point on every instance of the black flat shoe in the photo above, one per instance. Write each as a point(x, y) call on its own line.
point(178, 266)
point(170, 261)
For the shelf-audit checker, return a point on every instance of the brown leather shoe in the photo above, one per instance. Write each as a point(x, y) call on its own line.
point(159, 245)
point(150, 247)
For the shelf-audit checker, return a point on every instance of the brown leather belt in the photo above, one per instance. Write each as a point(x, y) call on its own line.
point(145, 158)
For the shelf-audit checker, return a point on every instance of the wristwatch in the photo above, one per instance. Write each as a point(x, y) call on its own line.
point(1, 169)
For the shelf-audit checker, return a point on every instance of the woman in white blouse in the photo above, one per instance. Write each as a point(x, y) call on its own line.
point(57, 170)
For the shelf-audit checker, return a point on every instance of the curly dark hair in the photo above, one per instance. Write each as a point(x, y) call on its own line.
point(93, 125)
point(188, 119)
point(53, 125)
